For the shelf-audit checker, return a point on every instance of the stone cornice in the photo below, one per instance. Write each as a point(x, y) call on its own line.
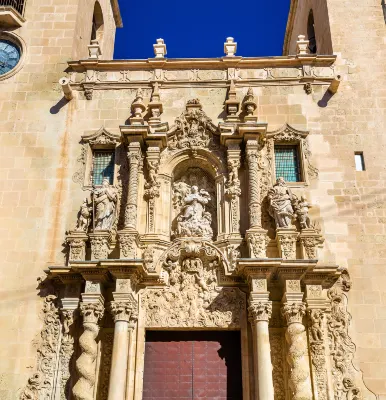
point(197, 63)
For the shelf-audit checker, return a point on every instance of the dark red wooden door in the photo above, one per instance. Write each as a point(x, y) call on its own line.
point(192, 365)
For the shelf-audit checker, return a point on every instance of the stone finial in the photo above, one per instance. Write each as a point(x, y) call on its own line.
point(232, 104)
point(159, 49)
point(94, 50)
point(137, 107)
point(230, 47)
point(302, 46)
point(155, 106)
point(250, 106)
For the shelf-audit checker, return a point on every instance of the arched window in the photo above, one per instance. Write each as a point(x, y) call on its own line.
point(97, 23)
point(311, 33)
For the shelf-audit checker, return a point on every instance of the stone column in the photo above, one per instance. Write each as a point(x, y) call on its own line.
point(124, 312)
point(260, 310)
point(256, 236)
point(91, 309)
point(152, 186)
point(233, 190)
point(134, 156)
point(127, 237)
point(254, 184)
point(293, 310)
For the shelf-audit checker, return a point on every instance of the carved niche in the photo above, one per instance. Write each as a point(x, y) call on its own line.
point(192, 297)
point(194, 205)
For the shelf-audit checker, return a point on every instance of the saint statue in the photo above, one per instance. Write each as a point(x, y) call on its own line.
point(280, 204)
point(302, 207)
point(194, 220)
point(84, 217)
point(105, 199)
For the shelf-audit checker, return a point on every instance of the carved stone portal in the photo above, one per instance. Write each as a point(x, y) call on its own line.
point(192, 297)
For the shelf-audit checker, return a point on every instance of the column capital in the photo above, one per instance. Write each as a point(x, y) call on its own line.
point(260, 311)
point(91, 312)
point(124, 310)
point(293, 312)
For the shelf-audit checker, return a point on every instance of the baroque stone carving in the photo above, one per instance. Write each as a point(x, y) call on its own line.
point(260, 311)
point(77, 249)
point(254, 184)
point(232, 254)
point(40, 384)
point(105, 366)
point(301, 209)
point(134, 157)
point(280, 204)
point(99, 247)
point(195, 207)
point(257, 243)
point(148, 259)
point(193, 129)
point(124, 310)
point(342, 347)
point(277, 345)
point(318, 356)
point(84, 217)
point(85, 364)
point(66, 352)
point(192, 297)
point(105, 200)
point(299, 376)
point(127, 245)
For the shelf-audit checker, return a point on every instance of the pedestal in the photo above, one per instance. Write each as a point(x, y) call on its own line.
point(77, 243)
point(310, 240)
point(127, 239)
point(100, 244)
point(257, 243)
point(286, 239)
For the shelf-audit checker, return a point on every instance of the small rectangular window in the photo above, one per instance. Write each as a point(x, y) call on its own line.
point(102, 166)
point(287, 163)
point(359, 161)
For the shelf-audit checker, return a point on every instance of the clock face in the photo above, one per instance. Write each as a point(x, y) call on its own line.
point(9, 56)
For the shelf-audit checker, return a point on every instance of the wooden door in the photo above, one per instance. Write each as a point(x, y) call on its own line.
point(192, 365)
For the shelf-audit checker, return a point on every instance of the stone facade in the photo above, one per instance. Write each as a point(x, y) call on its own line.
point(194, 213)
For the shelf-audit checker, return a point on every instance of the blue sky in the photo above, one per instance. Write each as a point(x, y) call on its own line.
point(198, 28)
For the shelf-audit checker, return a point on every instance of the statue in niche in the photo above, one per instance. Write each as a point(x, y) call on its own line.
point(193, 219)
point(280, 200)
point(193, 203)
point(105, 200)
point(84, 217)
point(301, 208)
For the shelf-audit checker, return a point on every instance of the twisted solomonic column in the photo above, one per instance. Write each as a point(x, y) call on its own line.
point(85, 364)
point(259, 314)
point(297, 357)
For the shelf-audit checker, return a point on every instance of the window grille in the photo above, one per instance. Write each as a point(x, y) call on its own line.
point(287, 163)
point(102, 167)
point(18, 5)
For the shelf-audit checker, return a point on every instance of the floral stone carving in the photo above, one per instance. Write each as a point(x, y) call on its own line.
point(192, 297)
point(41, 383)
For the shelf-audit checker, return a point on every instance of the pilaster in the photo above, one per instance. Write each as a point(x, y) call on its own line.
point(77, 243)
point(286, 239)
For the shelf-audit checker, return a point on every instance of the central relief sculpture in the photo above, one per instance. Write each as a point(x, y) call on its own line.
point(193, 201)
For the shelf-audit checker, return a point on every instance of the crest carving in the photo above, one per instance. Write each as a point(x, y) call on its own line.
point(193, 129)
point(192, 297)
